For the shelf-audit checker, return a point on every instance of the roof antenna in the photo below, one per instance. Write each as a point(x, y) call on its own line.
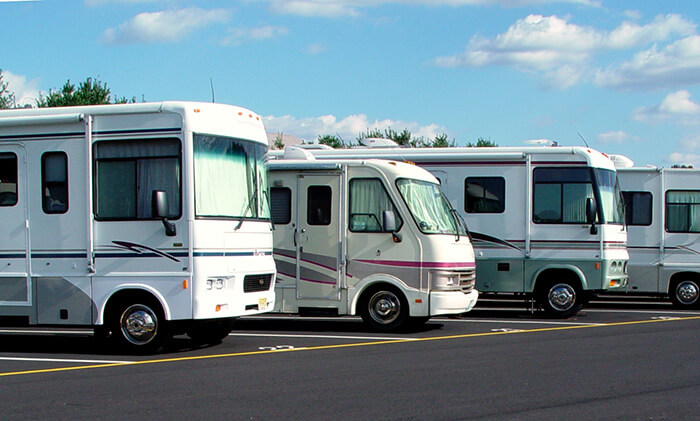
point(211, 83)
point(584, 140)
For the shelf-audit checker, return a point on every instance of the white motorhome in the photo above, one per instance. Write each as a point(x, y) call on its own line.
point(141, 220)
point(546, 222)
point(663, 218)
point(374, 238)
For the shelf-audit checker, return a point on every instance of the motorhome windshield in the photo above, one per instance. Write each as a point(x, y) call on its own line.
point(429, 207)
point(612, 205)
point(230, 179)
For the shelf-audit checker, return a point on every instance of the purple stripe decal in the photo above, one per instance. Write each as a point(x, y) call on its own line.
point(401, 263)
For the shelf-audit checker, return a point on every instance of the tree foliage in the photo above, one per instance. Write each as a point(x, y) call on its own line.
point(405, 138)
point(89, 92)
point(7, 98)
point(333, 141)
point(481, 142)
point(278, 143)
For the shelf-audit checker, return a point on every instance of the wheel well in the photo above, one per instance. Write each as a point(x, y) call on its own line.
point(131, 295)
point(365, 293)
point(549, 275)
point(676, 278)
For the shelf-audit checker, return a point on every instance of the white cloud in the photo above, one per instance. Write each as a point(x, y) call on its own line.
point(613, 137)
point(337, 8)
point(238, 36)
point(676, 64)
point(26, 91)
point(559, 50)
point(676, 107)
point(314, 49)
point(685, 158)
point(630, 34)
point(348, 128)
point(165, 26)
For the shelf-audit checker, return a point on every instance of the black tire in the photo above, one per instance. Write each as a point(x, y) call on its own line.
point(137, 326)
point(210, 333)
point(686, 293)
point(384, 308)
point(560, 298)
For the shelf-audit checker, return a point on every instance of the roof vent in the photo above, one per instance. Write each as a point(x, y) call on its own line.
point(294, 152)
point(542, 142)
point(621, 161)
point(378, 142)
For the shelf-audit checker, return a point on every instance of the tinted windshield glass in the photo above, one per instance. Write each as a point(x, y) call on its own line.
point(612, 205)
point(429, 207)
point(230, 179)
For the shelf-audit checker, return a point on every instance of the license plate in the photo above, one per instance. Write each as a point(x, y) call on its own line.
point(262, 304)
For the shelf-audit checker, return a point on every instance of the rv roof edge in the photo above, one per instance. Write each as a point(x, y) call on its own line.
point(41, 120)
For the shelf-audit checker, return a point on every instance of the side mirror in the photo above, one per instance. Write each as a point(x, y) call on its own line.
point(159, 209)
point(389, 224)
point(591, 213)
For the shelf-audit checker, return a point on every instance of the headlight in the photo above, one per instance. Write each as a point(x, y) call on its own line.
point(443, 279)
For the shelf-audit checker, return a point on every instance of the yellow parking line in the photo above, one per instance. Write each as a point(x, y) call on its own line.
point(347, 345)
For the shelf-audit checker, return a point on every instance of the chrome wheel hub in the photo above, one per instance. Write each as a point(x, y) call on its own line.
point(562, 297)
point(687, 292)
point(384, 307)
point(139, 324)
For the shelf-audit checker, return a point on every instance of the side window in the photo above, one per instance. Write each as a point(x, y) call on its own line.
point(318, 209)
point(54, 182)
point(560, 195)
point(683, 211)
point(485, 195)
point(127, 173)
point(368, 201)
point(281, 205)
point(8, 179)
point(638, 205)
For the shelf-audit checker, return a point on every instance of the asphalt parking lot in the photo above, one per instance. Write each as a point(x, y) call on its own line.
point(617, 358)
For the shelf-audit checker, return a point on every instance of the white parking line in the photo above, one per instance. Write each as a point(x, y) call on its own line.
point(61, 360)
point(368, 338)
point(678, 312)
point(527, 322)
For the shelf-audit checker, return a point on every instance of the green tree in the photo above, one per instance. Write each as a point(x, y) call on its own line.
point(334, 142)
point(441, 141)
point(7, 98)
point(278, 143)
point(403, 138)
point(481, 142)
point(90, 92)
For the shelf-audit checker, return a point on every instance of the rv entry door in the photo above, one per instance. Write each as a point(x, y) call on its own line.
point(317, 236)
point(14, 263)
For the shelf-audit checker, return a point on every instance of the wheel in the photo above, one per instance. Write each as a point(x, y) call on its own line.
point(686, 294)
point(384, 308)
point(138, 327)
point(561, 299)
point(211, 333)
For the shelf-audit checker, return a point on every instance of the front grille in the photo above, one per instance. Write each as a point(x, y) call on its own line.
point(467, 280)
point(257, 283)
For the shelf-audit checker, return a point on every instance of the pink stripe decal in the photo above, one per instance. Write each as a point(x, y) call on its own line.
point(403, 263)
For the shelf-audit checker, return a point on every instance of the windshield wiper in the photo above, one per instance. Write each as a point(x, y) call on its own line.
point(247, 208)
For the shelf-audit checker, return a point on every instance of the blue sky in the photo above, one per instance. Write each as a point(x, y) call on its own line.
point(624, 75)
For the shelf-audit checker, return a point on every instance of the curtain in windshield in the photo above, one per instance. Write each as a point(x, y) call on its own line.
point(428, 206)
point(610, 196)
point(229, 178)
